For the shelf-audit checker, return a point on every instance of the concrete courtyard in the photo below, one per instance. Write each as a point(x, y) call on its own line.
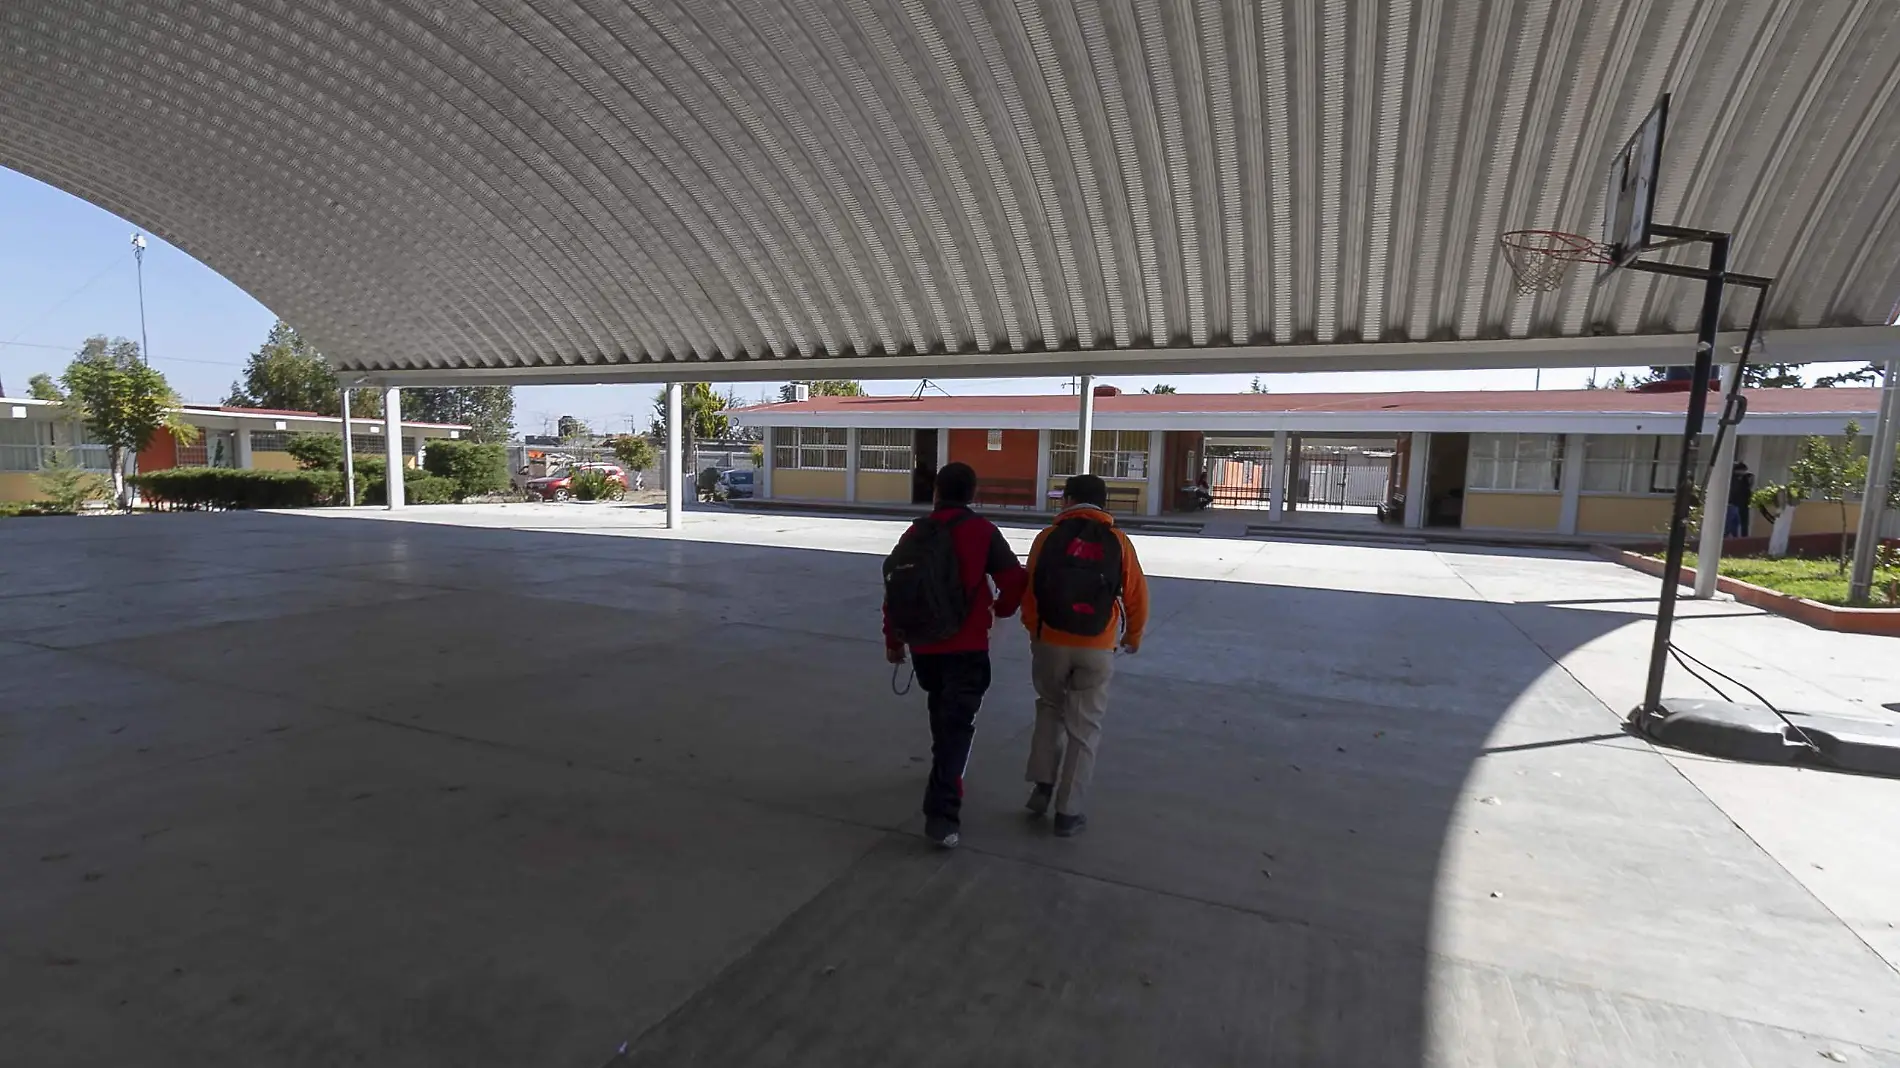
point(513, 785)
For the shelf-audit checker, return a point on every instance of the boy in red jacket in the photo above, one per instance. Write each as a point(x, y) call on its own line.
point(955, 671)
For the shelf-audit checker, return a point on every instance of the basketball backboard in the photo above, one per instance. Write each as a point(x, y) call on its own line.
point(1631, 195)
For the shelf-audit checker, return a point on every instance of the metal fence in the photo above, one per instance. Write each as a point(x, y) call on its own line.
point(1342, 480)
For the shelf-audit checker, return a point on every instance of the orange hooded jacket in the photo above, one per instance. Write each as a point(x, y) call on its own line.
point(1131, 614)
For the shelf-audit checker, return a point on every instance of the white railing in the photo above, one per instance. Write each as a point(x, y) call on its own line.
point(34, 458)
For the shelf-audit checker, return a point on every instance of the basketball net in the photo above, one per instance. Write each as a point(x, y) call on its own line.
point(1540, 260)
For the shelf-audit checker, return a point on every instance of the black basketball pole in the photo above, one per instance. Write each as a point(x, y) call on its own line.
point(1715, 281)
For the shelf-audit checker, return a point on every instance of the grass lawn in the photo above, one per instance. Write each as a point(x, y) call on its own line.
point(1817, 580)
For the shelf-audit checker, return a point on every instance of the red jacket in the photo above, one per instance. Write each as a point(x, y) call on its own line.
point(982, 556)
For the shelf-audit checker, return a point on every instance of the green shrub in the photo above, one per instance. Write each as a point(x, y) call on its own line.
point(67, 486)
point(197, 488)
point(317, 452)
point(593, 486)
point(477, 469)
point(418, 487)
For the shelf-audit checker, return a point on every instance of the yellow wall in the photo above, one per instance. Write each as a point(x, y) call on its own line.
point(1512, 511)
point(885, 487)
point(1123, 484)
point(1819, 517)
point(802, 485)
point(273, 461)
point(1637, 514)
point(19, 486)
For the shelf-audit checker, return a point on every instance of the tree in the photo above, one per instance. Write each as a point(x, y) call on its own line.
point(702, 411)
point(572, 430)
point(634, 453)
point(287, 374)
point(1256, 386)
point(1829, 470)
point(1162, 387)
point(67, 486)
point(829, 387)
point(316, 452)
point(1863, 376)
point(42, 387)
point(488, 411)
point(1771, 376)
point(123, 401)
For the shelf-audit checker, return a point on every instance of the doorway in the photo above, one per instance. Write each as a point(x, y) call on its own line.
point(923, 475)
point(1445, 479)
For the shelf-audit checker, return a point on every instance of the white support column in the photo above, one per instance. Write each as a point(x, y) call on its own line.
point(1715, 506)
point(1276, 479)
point(851, 438)
point(349, 453)
point(767, 461)
point(1085, 430)
point(392, 445)
point(1572, 484)
point(943, 448)
point(1417, 470)
point(675, 460)
point(1873, 501)
point(1157, 474)
point(1044, 442)
point(244, 448)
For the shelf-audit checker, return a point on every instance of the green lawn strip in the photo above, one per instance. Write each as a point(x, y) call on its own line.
point(1815, 579)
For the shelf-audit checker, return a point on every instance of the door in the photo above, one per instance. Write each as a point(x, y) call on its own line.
point(923, 478)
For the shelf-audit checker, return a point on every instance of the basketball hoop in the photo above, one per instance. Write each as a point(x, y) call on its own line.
point(1541, 259)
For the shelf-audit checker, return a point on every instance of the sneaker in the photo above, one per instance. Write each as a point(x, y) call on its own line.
point(942, 832)
point(1039, 798)
point(1070, 826)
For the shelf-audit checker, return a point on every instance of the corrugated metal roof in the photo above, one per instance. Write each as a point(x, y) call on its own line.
point(547, 189)
point(1845, 402)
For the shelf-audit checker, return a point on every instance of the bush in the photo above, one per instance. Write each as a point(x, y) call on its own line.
point(593, 486)
point(68, 487)
point(195, 488)
point(317, 452)
point(418, 487)
point(475, 468)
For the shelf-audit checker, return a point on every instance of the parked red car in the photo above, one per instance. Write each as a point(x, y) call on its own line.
point(557, 485)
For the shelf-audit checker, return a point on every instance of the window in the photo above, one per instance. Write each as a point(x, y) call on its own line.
point(810, 448)
point(270, 440)
point(885, 450)
point(19, 445)
point(1112, 453)
point(1531, 463)
point(1630, 463)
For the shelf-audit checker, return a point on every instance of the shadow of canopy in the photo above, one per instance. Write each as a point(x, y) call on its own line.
point(514, 796)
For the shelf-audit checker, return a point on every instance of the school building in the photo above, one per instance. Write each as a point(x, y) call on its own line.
point(1574, 462)
point(32, 431)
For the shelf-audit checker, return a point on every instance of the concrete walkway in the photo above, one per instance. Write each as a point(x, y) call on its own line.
point(512, 785)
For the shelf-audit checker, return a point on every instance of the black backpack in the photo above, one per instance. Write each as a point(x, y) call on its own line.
point(1079, 577)
point(925, 599)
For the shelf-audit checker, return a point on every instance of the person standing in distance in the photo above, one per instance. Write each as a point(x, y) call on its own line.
point(939, 601)
point(1086, 594)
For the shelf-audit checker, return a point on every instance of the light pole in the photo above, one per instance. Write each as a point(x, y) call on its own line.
point(138, 258)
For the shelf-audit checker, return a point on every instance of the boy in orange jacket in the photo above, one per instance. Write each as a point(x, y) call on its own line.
point(1086, 594)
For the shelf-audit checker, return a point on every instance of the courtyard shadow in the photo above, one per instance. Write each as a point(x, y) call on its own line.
point(659, 790)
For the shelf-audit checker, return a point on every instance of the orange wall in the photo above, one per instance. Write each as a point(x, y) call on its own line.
point(1017, 460)
point(161, 454)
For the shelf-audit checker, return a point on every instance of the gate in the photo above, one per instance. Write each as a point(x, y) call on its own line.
point(1342, 480)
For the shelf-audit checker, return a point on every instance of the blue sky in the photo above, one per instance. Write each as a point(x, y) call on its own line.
point(66, 272)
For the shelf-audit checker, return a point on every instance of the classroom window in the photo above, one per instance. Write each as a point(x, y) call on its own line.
point(1630, 463)
point(1529, 463)
point(810, 448)
point(1112, 453)
point(885, 450)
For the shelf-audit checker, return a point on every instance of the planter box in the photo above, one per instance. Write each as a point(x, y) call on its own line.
point(1879, 621)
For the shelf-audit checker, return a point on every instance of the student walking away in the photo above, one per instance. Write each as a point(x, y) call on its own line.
point(939, 601)
point(1087, 593)
point(1741, 487)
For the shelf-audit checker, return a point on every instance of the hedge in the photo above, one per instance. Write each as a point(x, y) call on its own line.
point(418, 487)
point(476, 469)
point(194, 488)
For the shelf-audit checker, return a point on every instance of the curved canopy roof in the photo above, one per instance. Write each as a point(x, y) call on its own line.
point(569, 190)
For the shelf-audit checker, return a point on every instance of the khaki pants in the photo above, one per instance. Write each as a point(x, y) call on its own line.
point(1071, 699)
